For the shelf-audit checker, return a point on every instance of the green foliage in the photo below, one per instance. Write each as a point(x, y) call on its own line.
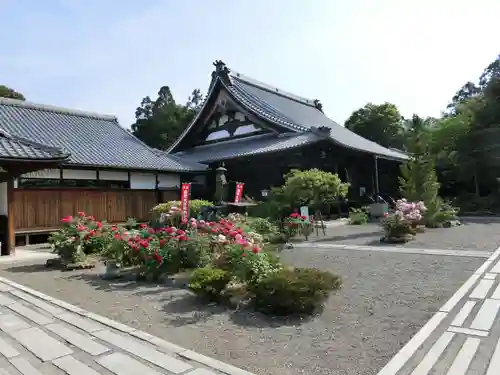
point(7, 92)
point(358, 216)
point(294, 291)
point(312, 187)
point(195, 206)
point(160, 122)
point(395, 227)
point(379, 123)
point(209, 282)
point(418, 181)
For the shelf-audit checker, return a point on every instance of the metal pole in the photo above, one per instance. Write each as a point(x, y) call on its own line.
point(376, 175)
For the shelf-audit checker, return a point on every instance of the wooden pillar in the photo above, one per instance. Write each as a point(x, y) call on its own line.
point(11, 235)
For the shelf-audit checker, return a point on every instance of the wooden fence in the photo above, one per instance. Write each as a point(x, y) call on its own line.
point(44, 208)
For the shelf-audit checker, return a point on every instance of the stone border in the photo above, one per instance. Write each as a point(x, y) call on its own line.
point(144, 336)
point(406, 352)
point(395, 249)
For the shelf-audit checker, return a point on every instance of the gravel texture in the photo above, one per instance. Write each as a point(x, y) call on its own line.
point(385, 299)
point(474, 234)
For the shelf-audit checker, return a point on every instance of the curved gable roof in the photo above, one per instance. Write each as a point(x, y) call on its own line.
point(290, 111)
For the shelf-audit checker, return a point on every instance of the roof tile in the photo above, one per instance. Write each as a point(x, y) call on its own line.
point(91, 139)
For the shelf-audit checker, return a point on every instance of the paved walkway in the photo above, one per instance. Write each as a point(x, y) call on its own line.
point(463, 337)
point(40, 335)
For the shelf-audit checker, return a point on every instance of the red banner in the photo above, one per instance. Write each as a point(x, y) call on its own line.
point(185, 193)
point(239, 192)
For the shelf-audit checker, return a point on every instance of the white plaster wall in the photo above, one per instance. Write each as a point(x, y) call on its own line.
point(3, 198)
point(113, 175)
point(44, 173)
point(141, 180)
point(75, 174)
point(245, 129)
point(169, 180)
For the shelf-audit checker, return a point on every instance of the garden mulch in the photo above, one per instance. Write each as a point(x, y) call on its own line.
point(474, 234)
point(385, 299)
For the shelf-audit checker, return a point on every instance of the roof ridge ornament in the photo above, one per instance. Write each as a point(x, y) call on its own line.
point(318, 105)
point(221, 71)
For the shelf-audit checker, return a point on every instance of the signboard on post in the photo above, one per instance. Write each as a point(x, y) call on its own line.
point(239, 192)
point(185, 194)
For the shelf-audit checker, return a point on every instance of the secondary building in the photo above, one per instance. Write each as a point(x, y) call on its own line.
point(56, 162)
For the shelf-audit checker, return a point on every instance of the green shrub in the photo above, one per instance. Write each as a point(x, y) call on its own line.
point(358, 216)
point(209, 282)
point(195, 206)
point(294, 291)
point(261, 225)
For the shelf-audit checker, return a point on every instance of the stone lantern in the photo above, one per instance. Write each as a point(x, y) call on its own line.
point(220, 185)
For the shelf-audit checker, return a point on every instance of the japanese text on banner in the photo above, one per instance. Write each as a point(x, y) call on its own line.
point(239, 192)
point(185, 193)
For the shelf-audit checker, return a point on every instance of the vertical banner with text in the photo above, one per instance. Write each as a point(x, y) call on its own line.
point(239, 192)
point(185, 193)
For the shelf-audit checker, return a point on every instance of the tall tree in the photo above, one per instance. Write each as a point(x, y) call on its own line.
point(159, 122)
point(418, 181)
point(382, 124)
point(7, 92)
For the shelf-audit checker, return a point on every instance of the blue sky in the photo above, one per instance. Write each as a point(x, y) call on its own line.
point(104, 56)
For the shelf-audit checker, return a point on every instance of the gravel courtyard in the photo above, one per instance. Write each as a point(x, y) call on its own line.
point(474, 234)
point(385, 299)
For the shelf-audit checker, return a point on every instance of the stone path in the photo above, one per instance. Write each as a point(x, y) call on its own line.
point(40, 335)
point(463, 337)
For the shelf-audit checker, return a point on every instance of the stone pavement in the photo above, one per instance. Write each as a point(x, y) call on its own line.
point(463, 337)
point(40, 335)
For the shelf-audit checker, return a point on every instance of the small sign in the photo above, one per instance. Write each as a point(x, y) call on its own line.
point(304, 211)
point(239, 192)
point(185, 193)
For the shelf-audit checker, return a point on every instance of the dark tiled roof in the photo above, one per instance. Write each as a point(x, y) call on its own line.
point(18, 149)
point(286, 110)
point(91, 139)
point(298, 114)
point(260, 144)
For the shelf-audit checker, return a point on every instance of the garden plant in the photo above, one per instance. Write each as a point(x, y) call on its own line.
point(228, 259)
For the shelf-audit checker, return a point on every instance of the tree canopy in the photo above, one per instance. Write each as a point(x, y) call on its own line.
point(7, 92)
point(381, 123)
point(159, 122)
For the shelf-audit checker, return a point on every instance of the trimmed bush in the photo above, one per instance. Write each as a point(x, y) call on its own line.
point(294, 291)
point(209, 282)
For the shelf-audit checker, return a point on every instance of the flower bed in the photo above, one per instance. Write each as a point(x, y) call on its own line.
point(228, 258)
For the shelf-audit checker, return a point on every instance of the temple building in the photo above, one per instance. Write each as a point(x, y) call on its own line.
point(259, 132)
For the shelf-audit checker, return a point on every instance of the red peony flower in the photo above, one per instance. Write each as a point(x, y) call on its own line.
point(81, 214)
point(99, 225)
point(163, 242)
point(92, 218)
point(255, 250)
point(243, 254)
point(214, 230)
point(142, 226)
point(180, 232)
point(67, 219)
point(157, 257)
point(182, 238)
point(170, 230)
